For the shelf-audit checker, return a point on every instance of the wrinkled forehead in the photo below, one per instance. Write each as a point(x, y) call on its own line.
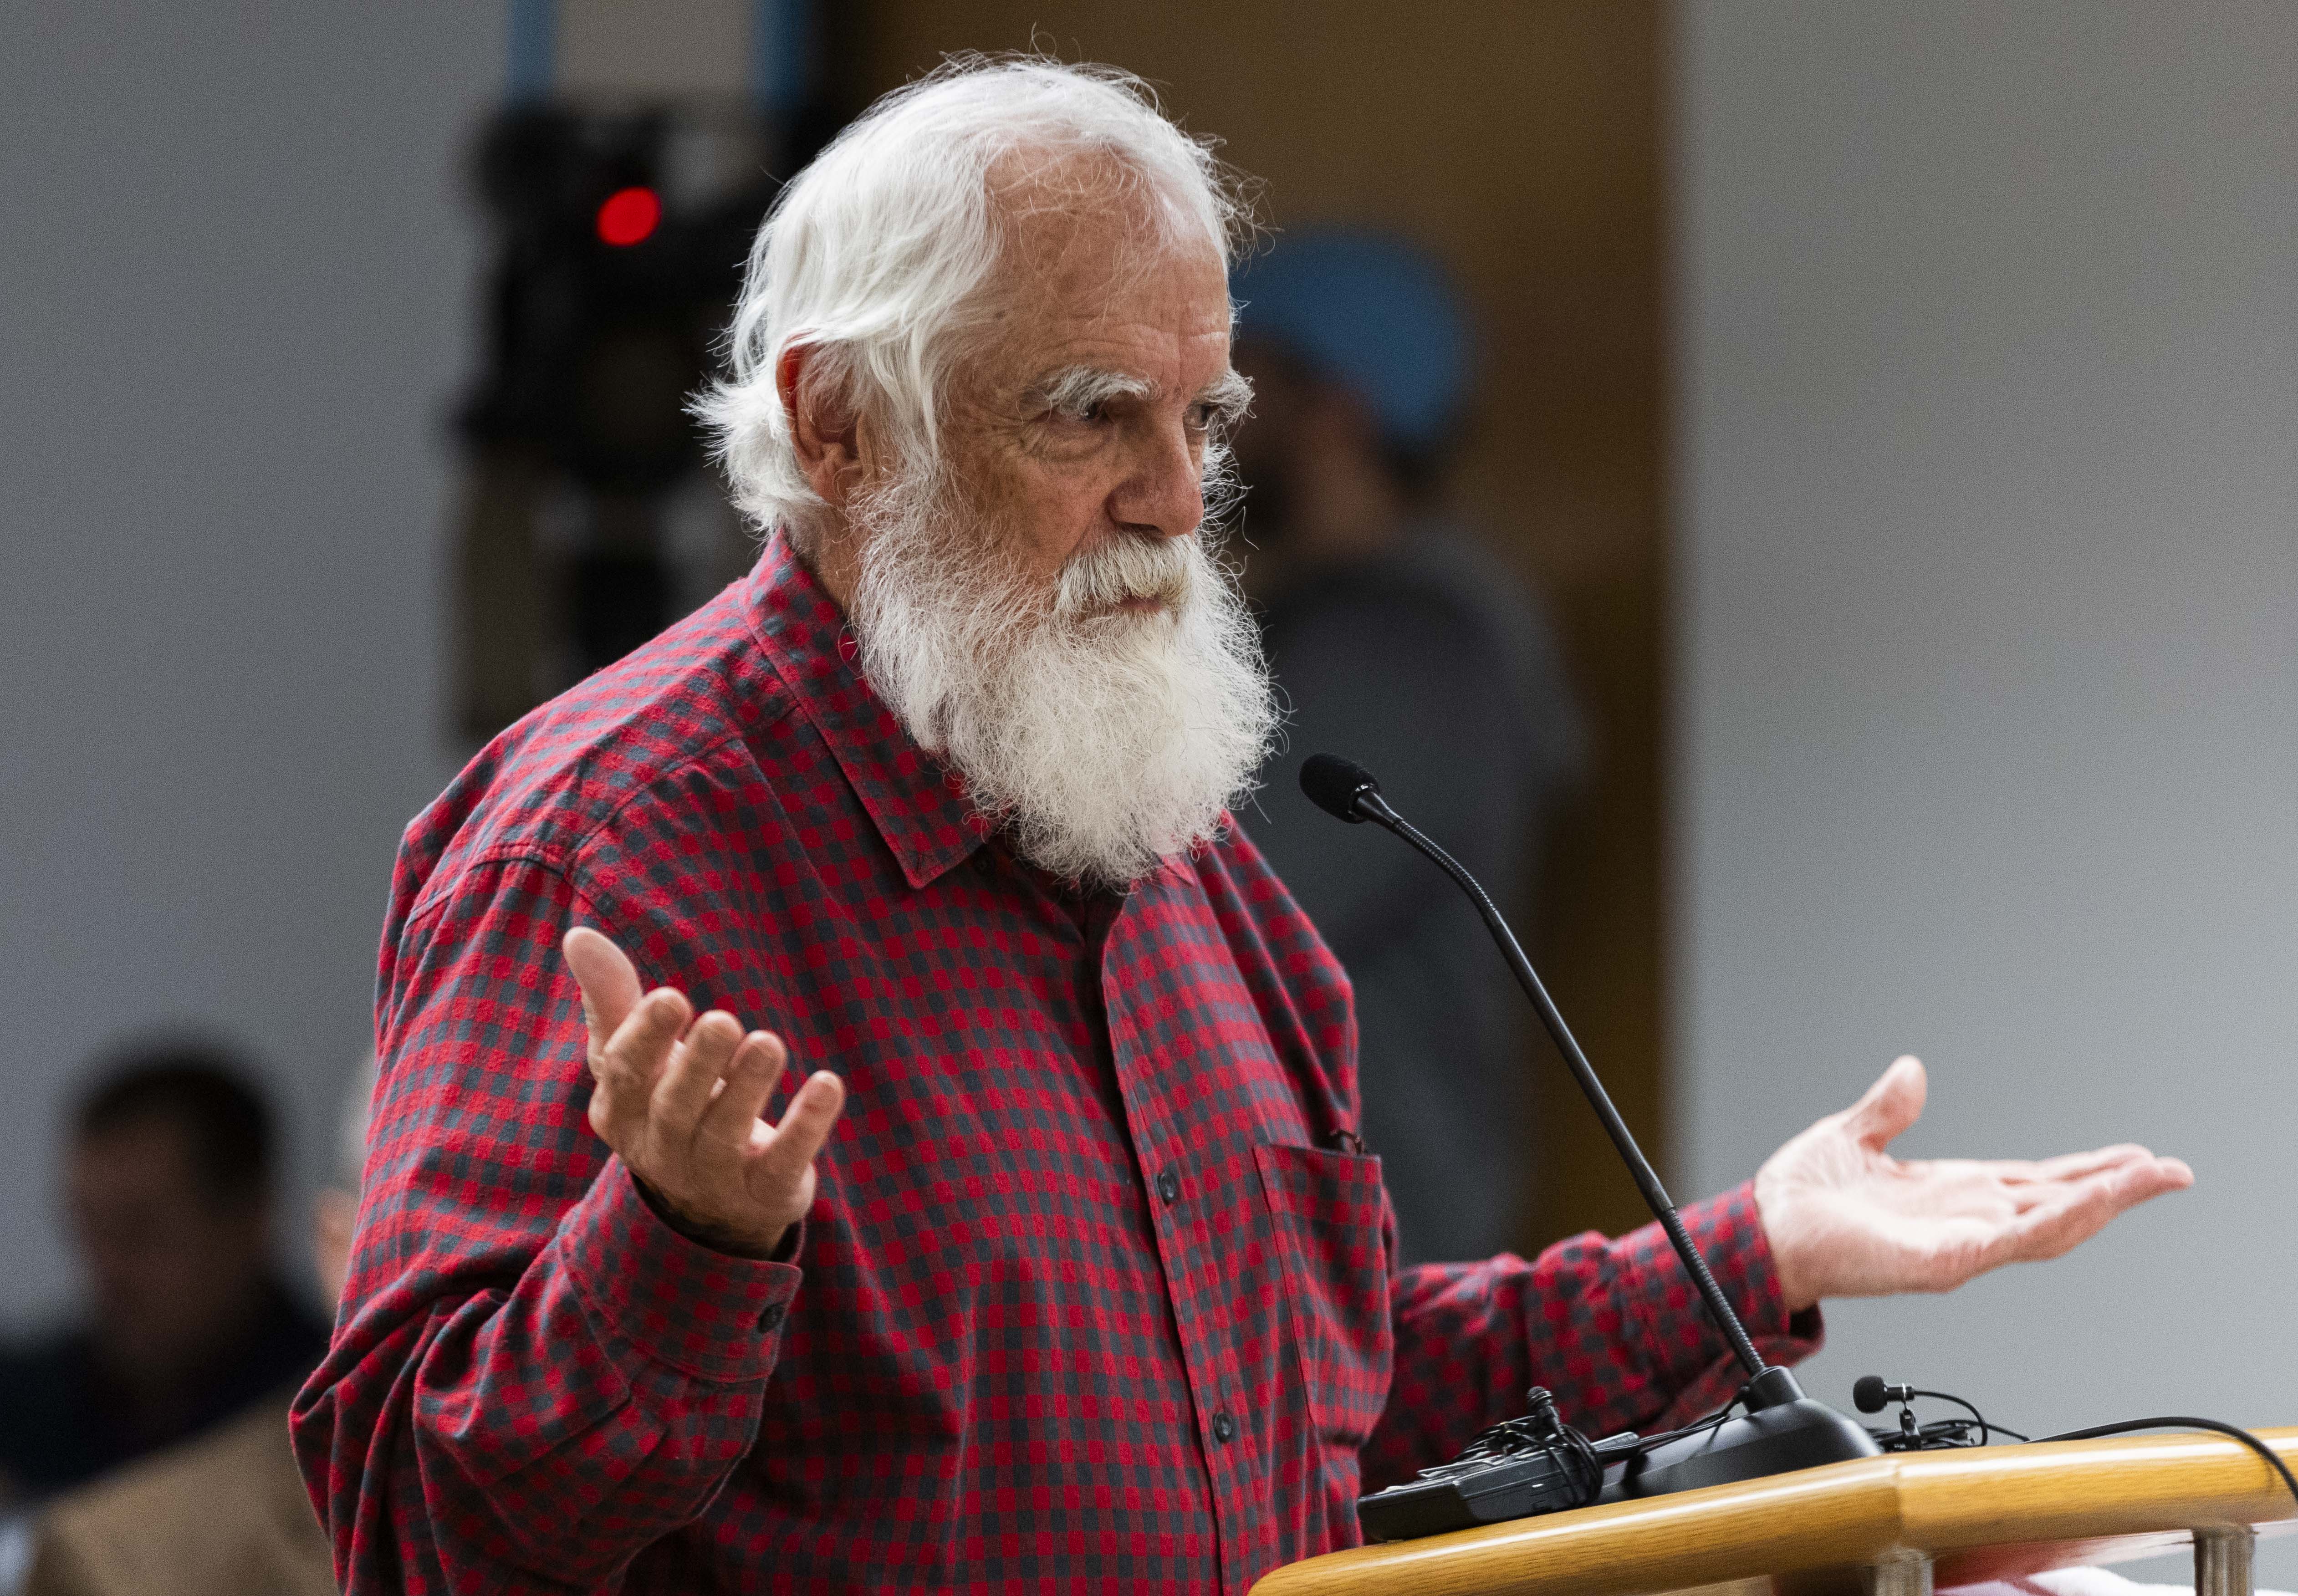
point(1093, 226)
point(1092, 249)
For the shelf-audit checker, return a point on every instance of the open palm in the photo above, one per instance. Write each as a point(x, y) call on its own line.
point(1846, 1219)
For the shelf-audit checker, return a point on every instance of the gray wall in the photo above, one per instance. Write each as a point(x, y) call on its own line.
point(236, 271)
point(1988, 692)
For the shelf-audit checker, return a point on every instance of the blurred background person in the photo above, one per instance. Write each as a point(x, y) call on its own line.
point(226, 1515)
point(169, 1198)
point(1401, 641)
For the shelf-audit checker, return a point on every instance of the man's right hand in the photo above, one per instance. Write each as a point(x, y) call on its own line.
point(678, 1099)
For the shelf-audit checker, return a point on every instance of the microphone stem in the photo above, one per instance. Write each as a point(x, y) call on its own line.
point(1656, 1198)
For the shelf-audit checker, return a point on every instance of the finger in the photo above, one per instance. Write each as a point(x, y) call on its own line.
point(749, 1082)
point(2064, 1168)
point(2078, 1169)
point(607, 979)
point(2030, 1181)
point(628, 1066)
point(1894, 1102)
point(2057, 1228)
point(2073, 1165)
point(813, 1112)
point(696, 1067)
point(2087, 1207)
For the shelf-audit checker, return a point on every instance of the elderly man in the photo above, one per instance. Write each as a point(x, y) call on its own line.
point(1091, 1287)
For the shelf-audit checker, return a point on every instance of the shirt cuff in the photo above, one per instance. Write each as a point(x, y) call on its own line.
point(653, 1293)
point(1699, 1363)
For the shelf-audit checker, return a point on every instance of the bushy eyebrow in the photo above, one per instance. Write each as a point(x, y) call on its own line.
point(1230, 396)
point(1079, 390)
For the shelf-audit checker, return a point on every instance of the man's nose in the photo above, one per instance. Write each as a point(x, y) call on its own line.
point(1164, 494)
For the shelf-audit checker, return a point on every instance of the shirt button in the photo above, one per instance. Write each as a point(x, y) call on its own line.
point(1169, 1185)
point(771, 1318)
point(1224, 1428)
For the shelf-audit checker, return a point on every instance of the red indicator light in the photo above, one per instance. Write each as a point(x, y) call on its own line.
point(628, 216)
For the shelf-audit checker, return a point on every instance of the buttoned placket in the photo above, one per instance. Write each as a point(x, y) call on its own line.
point(1163, 1161)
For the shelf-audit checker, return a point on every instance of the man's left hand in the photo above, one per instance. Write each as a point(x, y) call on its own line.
point(1845, 1219)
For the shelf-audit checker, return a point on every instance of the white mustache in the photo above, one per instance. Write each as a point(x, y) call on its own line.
point(1137, 567)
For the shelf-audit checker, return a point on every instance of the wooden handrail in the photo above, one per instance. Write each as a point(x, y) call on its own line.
point(1983, 1513)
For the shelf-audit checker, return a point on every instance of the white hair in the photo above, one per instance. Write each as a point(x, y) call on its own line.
point(876, 256)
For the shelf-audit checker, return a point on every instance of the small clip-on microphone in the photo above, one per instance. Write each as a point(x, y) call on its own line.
point(1871, 1393)
point(1782, 1429)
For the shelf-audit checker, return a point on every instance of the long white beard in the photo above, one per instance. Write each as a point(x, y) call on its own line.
point(1103, 740)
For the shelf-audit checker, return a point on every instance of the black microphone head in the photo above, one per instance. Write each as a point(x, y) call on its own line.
point(1870, 1394)
point(1334, 784)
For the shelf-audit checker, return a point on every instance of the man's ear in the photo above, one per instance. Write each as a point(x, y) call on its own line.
point(824, 430)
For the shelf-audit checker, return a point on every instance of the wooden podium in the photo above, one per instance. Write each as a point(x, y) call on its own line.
point(1892, 1525)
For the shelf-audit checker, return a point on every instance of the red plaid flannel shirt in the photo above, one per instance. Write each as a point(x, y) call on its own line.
point(1089, 1296)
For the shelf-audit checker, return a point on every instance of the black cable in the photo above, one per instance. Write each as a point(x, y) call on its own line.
point(1939, 1436)
point(1590, 1476)
point(1986, 1430)
point(2128, 1425)
point(1714, 1421)
point(1583, 1459)
point(1535, 1432)
point(1943, 1433)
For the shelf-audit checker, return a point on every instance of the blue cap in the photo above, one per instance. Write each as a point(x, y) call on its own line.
point(1367, 311)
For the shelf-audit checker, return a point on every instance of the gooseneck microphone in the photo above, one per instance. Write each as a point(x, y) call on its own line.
point(1784, 1428)
point(1343, 787)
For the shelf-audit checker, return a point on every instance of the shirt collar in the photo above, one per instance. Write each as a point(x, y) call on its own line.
point(918, 804)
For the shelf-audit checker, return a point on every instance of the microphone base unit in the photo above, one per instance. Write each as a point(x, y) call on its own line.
point(1802, 1434)
point(1546, 1467)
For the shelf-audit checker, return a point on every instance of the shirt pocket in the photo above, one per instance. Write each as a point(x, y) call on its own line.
point(1326, 1210)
